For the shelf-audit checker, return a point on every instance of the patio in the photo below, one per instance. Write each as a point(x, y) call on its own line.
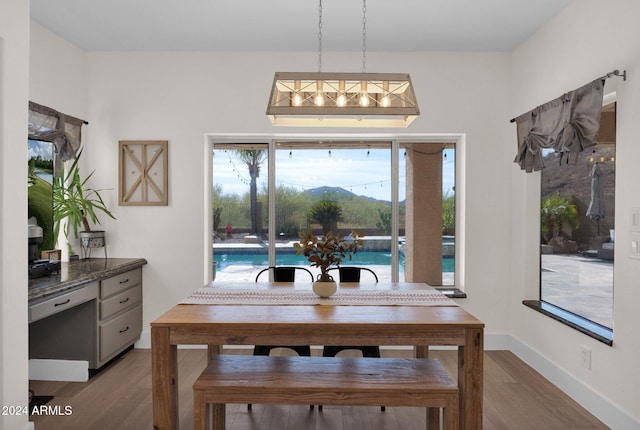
point(580, 285)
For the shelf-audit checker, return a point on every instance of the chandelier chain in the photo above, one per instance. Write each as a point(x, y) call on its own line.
point(320, 36)
point(364, 36)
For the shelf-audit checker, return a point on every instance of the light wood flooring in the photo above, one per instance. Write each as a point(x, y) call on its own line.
point(119, 398)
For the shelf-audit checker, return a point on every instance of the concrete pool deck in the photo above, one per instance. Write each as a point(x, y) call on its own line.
point(580, 285)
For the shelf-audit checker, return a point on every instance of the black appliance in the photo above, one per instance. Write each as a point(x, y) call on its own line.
point(39, 267)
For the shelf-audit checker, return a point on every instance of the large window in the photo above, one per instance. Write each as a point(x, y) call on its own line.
point(578, 231)
point(401, 196)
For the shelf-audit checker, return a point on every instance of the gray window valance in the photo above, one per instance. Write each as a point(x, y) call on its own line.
point(63, 130)
point(568, 124)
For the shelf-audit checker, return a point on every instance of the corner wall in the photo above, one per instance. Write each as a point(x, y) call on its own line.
point(587, 40)
point(14, 75)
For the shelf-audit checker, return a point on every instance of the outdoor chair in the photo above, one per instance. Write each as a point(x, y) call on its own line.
point(283, 274)
point(352, 274)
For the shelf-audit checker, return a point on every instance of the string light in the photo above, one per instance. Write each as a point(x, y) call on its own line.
point(237, 171)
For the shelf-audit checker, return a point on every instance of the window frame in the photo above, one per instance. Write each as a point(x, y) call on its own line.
point(457, 139)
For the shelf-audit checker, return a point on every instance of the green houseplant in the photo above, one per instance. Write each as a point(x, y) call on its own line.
point(326, 251)
point(78, 204)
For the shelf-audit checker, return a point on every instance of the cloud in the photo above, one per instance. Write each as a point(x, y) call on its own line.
point(38, 148)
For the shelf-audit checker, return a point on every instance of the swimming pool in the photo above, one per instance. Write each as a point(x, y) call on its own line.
point(364, 258)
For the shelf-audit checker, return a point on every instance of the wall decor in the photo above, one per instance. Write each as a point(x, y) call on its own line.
point(143, 172)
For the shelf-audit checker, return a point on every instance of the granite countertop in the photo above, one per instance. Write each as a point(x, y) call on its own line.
point(75, 274)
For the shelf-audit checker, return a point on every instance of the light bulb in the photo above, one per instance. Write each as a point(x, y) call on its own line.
point(386, 101)
point(319, 98)
point(342, 99)
point(364, 97)
point(297, 98)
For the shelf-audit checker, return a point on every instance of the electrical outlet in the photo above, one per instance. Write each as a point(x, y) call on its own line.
point(585, 357)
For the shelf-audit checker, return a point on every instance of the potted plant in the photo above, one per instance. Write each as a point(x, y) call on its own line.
point(326, 251)
point(77, 203)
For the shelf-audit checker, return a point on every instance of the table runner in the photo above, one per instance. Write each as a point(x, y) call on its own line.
point(285, 296)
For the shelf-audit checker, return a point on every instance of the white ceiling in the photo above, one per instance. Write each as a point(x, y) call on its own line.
point(292, 25)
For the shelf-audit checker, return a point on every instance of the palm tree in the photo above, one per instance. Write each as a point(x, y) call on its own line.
point(253, 158)
point(555, 212)
point(327, 213)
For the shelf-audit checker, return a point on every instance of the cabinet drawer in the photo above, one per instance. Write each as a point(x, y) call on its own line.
point(120, 331)
point(121, 301)
point(63, 302)
point(121, 282)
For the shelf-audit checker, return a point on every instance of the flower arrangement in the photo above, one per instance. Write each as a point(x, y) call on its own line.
point(328, 250)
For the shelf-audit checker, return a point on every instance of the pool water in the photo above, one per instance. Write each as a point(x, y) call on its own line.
point(365, 258)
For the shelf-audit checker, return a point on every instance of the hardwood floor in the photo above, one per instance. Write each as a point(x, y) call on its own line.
point(119, 398)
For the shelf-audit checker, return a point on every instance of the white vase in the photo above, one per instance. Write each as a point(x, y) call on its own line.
point(325, 288)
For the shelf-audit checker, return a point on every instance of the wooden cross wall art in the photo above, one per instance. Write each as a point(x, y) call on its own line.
point(143, 172)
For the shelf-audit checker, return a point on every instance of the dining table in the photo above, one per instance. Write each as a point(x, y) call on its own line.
point(269, 313)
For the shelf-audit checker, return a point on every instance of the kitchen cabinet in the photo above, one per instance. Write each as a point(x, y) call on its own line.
point(91, 312)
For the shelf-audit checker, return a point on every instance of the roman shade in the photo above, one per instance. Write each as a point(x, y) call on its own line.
point(568, 124)
point(52, 126)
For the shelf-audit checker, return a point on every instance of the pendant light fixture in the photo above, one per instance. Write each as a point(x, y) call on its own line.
point(329, 99)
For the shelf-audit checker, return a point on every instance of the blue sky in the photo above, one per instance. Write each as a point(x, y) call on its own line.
point(43, 149)
point(303, 169)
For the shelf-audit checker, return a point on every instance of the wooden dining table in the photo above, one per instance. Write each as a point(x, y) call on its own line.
point(320, 322)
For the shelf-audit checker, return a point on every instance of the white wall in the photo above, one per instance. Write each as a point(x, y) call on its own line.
point(51, 57)
point(174, 97)
point(589, 39)
point(14, 72)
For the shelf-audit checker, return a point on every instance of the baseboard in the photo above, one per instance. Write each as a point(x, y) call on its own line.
point(599, 406)
point(59, 370)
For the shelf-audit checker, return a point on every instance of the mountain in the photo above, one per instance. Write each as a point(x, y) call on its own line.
point(340, 194)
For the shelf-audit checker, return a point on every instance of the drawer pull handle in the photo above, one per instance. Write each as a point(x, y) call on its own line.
point(124, 301)
point(124, 329)
point(63, 303)
point(124, 281)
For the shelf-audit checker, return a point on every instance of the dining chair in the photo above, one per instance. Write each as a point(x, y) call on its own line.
point(352, 274)
point(283, 274)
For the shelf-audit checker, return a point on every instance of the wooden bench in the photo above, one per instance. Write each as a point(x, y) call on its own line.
point(325, 381)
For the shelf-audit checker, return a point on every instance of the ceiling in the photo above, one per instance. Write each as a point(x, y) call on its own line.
point(292, 25)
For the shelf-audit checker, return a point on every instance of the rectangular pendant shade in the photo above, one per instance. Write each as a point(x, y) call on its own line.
point(325, 99)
